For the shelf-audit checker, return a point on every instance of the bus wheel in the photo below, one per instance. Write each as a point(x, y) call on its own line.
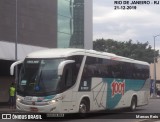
point(83, 107)
point(133, 104)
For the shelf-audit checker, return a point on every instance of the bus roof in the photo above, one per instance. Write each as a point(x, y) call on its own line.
point(65, 52)
point(56, 53)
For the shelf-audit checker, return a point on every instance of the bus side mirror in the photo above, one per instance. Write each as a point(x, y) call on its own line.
point(13, 66)
point(62, 65)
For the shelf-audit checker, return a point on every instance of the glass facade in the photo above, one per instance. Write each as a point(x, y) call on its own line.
point(77, 39)
point(70, 31)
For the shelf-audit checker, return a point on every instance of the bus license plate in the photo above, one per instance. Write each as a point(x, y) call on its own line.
point(33, 109)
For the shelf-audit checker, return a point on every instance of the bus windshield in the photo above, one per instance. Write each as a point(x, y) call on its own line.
point(39, 77)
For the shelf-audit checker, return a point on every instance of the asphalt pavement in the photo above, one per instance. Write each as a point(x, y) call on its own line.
point(5, 108)
point(151, 108)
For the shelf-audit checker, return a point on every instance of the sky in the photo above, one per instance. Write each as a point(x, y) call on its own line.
point(139, 24)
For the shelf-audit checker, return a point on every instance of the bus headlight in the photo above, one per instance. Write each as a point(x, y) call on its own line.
point(18, 99)
point(55, 100)
point(51, 101)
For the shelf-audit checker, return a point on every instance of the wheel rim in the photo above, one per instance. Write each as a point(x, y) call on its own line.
point(133, 106)
point(82, 108)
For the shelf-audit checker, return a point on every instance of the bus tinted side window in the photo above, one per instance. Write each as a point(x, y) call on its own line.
point(94, 67)
point(70, 72)
point(141, 71)
point(106, 68)
point(68, 76)
point(78, 60)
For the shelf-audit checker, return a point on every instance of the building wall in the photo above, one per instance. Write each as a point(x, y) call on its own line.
point(46, 23)
point(36, 22)
point(5, 82)
point(88, 24)
point(157, 70)
point(7, 20)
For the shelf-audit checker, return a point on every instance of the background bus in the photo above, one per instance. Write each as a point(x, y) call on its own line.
point(77, 80)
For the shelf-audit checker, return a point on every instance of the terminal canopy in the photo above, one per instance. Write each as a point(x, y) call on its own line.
point(7, 50)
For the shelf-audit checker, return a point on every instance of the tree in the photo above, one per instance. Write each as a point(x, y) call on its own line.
point(138, 51)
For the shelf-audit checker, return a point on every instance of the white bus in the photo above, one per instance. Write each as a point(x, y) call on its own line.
point(78, 80)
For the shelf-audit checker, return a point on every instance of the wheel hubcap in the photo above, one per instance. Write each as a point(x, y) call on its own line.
point(133, 106)
point(82, 108)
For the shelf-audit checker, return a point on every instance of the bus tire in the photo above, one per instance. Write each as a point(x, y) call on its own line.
point(133, 103)
point(83, 108)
